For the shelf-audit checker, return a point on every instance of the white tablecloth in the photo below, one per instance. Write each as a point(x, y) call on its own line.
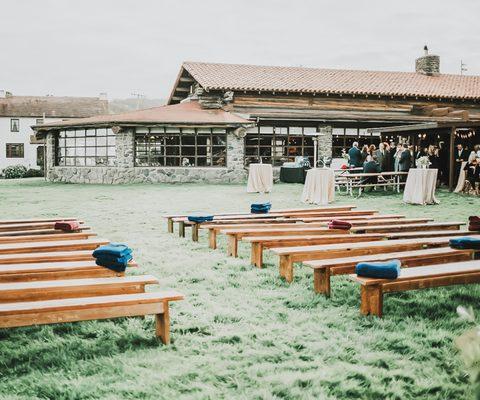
point(319, 186)
point(260, 178)
point(420, 186)
point(461, 178)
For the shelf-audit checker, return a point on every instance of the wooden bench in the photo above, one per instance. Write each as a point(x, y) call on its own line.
point(350, 218)
point(29, 258)
point(433, 226)
point(46, 238)
point(41, 232)
point(234, 235)
point(260, 243)
point(56, 270)
point(423, 234)
point(41, 247)
point(372, 290)
point(92, 308)
point(35, 220)
point(290, 255)
point(29, 227)
point(356, 181)
point(323, 270)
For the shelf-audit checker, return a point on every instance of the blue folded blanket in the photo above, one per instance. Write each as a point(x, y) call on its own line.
point(107, 258)
point(260, 208)
point(383, 270)
point(112, 249)
point(465, 242)
point(115, 266)
point(200, 218)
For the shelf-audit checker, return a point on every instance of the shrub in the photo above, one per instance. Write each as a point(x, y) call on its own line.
point(33, 173)
point(14, 171)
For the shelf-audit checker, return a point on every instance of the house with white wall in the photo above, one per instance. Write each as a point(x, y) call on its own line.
point(18, 145)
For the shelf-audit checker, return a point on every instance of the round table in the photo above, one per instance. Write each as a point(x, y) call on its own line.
point(319, 186)
point(420, 186)
point(260, 178)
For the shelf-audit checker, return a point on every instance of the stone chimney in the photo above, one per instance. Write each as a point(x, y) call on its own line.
point(103, 96)
point(428, 64)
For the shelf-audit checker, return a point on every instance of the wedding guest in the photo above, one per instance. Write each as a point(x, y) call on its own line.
point(381, 156)
point(405, 159)
point(364, 153)
point(433, 158)
point(354, 156)
point(460, 157)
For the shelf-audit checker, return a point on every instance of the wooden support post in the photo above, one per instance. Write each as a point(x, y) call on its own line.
point(451, 175)
point(195, 232)
point(371, 300)
point(212, 239)
point(232, 245)
point(162, 324)
point(321, 281)
point(181, 229)
point(286, 267)
point(257, 254)
point(170, 225)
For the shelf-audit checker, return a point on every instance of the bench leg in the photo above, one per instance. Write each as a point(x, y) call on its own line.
point(162, 325)
point(257, 255)
point(170, 225)
point(321, 281)
point(181, 229)
point(232, 245)
point(371, 300)
point(286, 268)
point(195, 232)
point(212, 239)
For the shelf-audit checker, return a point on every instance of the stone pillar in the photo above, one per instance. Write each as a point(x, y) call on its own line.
point(325, 143)
point(49, 154)
point(235, 154)
point(124, 148)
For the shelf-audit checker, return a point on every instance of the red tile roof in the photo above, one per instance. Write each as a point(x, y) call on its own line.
point(52, 106)
point(182, 113)
point(212, 76)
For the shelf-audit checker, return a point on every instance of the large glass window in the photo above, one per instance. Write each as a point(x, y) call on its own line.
point(181, 147)
point(14, 150)
point(86, 148)
point(276, 145)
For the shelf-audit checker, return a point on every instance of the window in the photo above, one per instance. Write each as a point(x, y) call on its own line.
point(39, 121)
point(86, 148)
point(276, 145)
point(40, 156)
point(180, 147)
point(14, 150)
point(14, 125)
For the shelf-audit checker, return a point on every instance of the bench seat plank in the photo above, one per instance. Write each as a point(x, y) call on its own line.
point(408, 227)
point(27, 258)
point(45, 238)
point(35, 220)
point(68, 288)
point(27, 227)
point(67, 245)
point(40, 232)
point(92, 308)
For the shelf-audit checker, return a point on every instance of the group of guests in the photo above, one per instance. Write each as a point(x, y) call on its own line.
point(401, 157)
point(471, 168)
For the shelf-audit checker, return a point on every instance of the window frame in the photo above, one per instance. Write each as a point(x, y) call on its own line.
point(18, 125)
point(8, 154)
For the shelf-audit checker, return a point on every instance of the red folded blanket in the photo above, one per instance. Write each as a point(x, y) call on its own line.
point(338, 224)
point(67, 226)
point(474, 223)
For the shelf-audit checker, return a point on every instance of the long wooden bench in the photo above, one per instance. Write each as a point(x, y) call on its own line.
point(323, 270)
point(62, 256)
point(41, 232)
point(372, 290)
point(234, 235)
point(46, 238)
point(35, 220)
point(432, 226)
point(92, 308)
point(40, 247)
point(260, 243)
point(290, 255)
point(351, 218)
point(29, 227)
point(56, 270)
point(423, 234)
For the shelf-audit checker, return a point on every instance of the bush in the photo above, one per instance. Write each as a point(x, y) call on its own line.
point(33, 173)
point(14, 171)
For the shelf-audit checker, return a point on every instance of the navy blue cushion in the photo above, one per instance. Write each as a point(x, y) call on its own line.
point(465, 242)
point(200, 218)
point(260, 208)
point(115, 266)
point(383, 270)
point(112, 249)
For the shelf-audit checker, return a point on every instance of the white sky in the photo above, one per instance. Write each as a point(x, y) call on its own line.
point(82, 48)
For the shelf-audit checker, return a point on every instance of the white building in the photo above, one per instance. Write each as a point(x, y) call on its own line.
point(18, 145)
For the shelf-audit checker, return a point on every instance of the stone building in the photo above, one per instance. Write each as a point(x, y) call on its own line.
point(222, 117)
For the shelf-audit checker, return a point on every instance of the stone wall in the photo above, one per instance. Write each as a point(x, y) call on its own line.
point(325, 143)
point(125, 172)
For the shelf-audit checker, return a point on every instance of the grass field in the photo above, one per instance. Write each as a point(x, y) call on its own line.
point(241, 333)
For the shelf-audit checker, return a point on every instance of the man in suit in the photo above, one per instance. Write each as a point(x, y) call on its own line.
point(392, 152)
point(355, 156)
point(381, 156)
point(460, 156)
point(405, 160)
point(369, 167)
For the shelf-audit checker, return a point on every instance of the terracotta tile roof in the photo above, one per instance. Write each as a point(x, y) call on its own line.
point(182, 113)
point(52, 106)
point(214, 76)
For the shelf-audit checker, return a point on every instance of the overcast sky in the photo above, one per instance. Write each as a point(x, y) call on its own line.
point(82, 48)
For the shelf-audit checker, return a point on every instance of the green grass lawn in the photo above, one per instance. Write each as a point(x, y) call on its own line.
point(241, 333)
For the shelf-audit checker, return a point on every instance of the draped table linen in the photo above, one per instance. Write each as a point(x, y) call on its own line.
point(319, 186)
point(461, 178)
point(260, 178)
point(420, 186)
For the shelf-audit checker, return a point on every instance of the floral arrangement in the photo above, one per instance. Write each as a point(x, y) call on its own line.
point(423, 162)
point(469, 345)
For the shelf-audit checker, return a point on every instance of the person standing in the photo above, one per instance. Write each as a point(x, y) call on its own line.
point(354, 156)
point(443, 162)
point(392, 153)
point(432, 157)
point(381, 156)
point(460, 156)
point(405, 159)
point(398, 154)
